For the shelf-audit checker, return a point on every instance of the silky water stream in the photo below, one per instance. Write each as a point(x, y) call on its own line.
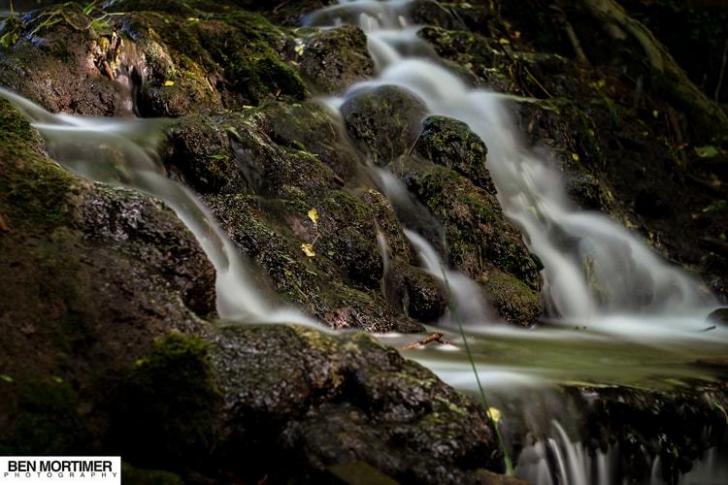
point(645, 329)
point(648, 333)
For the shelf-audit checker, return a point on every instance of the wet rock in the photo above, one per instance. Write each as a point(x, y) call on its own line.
point(99, 273)
point(339, 282)
point(326, 401)
point(384, 122)
point(513, 300)
point(719, 316)
point(309, 127)
point(201, 153)
point(418, 293)
point(448, 142)
point(678, 426)
point(62, 46)
point(480, 241)
point(335, 59)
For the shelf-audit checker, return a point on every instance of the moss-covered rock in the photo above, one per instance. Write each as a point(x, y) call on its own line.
point(514, 300)
point(326, 401)
point(43, 416)
point(64, 45)
point(480, 241)
point(309, 127)
point(335, 59)
point(448, 142)
point(166, 409)
point(418, 293)
point(97, 274)
point(384, 122)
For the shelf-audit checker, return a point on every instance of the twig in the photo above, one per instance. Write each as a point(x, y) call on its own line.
point(506, 457)
point(722, 71)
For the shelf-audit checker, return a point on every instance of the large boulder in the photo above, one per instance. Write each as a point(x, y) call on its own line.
point(326, 401)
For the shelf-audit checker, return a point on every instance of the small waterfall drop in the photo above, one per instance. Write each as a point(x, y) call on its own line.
point(122, 152)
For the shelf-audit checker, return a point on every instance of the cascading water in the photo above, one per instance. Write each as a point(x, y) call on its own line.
point(592, 266)
point(122, 152)
point(595, 272)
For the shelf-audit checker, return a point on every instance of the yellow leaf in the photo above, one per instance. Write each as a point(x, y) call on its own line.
point(313, 215)
point(168, 83)
point(494, 414)
point(575, 157)
point(308, 250)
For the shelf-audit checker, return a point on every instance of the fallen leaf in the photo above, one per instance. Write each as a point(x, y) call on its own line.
point(575, 157)
point(708, 151)
point(308, 250)
point(6, 378)
point(313, 215)
point(168, 83)
point(494, 414)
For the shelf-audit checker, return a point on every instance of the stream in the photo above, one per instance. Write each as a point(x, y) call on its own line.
point(644, 329)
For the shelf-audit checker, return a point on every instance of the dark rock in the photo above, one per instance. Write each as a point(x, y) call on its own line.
point(415, 291)
point(337, 58)
point(316, 401)
point(480, 241)
point(719, 316)
point(308, 127)
point(167, 407)
point(59, 46)
point(448, 142)
point(99, 273)
point(201, 153)
point(384, 122)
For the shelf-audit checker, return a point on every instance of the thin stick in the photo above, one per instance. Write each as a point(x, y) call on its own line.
point(722, 71)
point(506, 457)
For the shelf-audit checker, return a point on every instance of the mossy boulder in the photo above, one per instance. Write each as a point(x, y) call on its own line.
point(335, 59)
point(383, 122)
point(448, 142)
point(326, 401)
point(513, 299)
point(310, 127)
point(479, 238)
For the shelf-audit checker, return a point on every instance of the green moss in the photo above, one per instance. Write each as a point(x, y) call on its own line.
point(513, 299)
point(33, 190)
point(47, 418)
point(165, 410)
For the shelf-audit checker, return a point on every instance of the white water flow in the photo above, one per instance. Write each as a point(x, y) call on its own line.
point(123, 152)
point(593, 267)
point(641, 321)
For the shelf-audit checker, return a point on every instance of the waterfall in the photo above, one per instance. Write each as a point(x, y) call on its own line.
point(593, 267)
point(122, 152)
